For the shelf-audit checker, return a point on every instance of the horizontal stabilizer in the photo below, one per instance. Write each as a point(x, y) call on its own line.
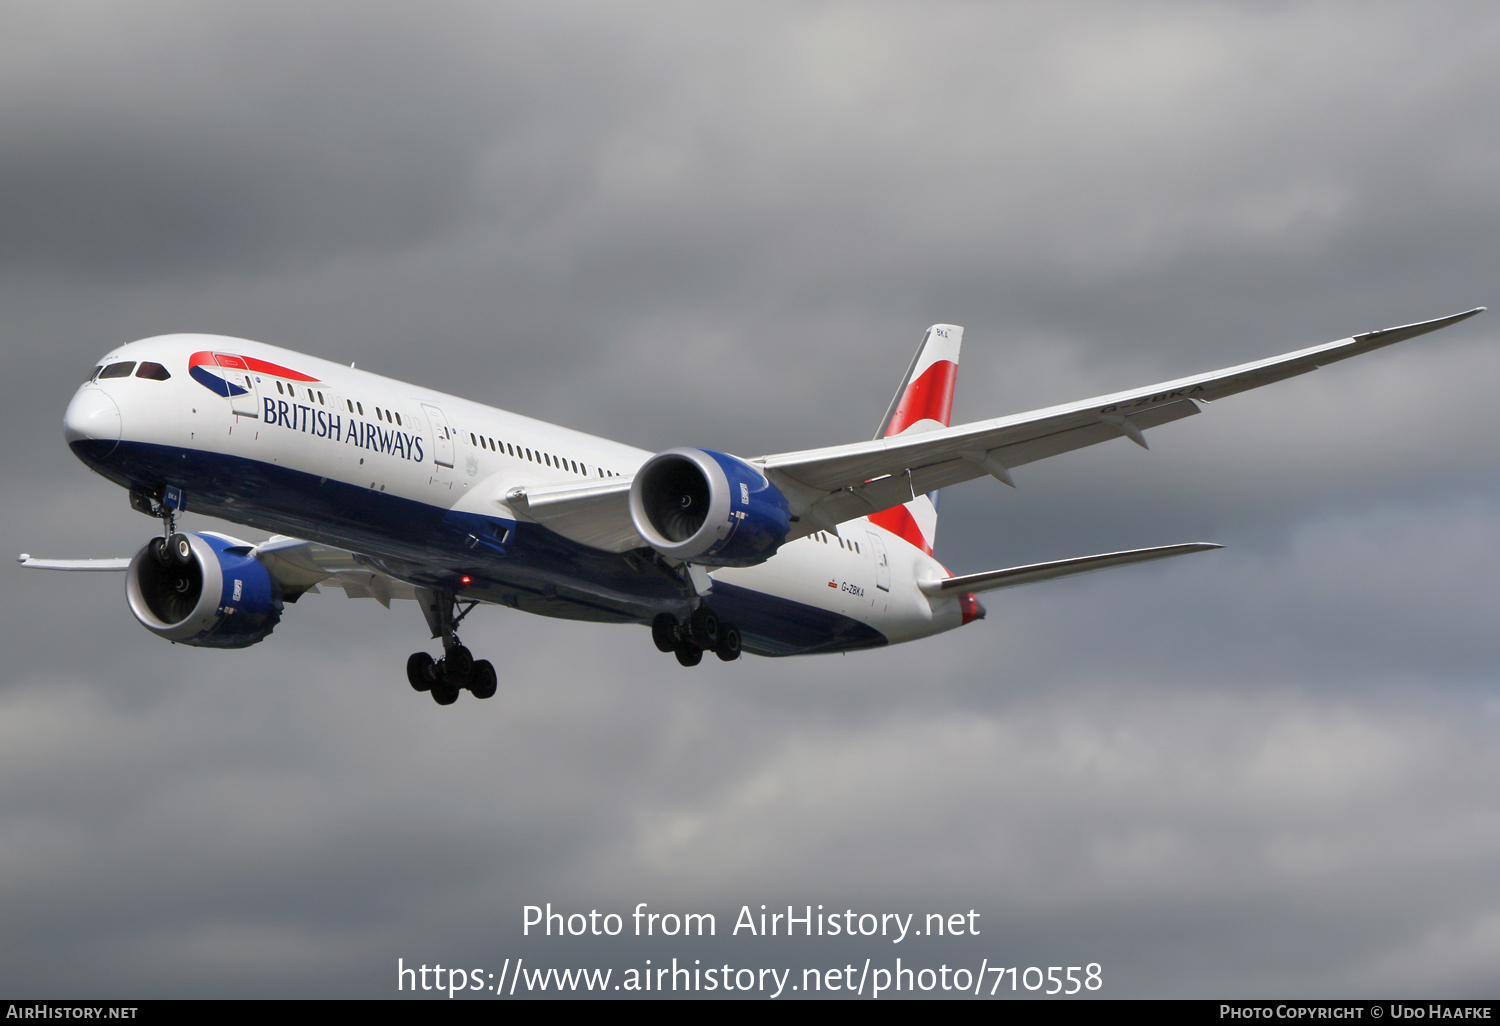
point(86, 565)
point(1017, 575)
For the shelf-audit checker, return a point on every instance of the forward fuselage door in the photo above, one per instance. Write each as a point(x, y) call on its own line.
point(243, 395)
point(442, 437)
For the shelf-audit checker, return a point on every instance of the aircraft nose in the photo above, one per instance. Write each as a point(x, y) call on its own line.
point(92, 416)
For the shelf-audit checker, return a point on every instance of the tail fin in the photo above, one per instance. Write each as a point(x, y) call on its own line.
point(924, 402)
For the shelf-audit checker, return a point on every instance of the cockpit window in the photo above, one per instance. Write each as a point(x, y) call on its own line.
point(154, 371)
point(118, 370)
point(96, 371)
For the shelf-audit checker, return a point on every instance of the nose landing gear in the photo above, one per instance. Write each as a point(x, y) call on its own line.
point(172, 550)
point(458, 670)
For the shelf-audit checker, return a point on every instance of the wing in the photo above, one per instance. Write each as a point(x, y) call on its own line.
point(300, 566)
point(829, 486)
point(597, 515)
point(826, 487)
point(85, 565)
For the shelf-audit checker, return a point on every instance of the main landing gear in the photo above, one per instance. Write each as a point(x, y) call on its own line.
point(702, 632)
point(458, 670)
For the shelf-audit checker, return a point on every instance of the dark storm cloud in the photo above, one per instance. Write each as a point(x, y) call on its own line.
point(203, 141)
point(1264, 770)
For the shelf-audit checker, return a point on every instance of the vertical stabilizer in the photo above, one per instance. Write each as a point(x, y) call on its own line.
point(924, 402)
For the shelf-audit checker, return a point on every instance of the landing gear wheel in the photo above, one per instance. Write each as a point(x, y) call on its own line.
point(460, 663)
point(689, 654)
point(482, 680)
point(159, 554)
point(664, 632)
point(421, 671)
point(180, 550)
point(704, 627)
point(728, 648)
point(444, 694)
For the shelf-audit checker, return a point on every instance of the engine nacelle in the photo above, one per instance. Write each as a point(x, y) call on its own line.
point(705, 507)
point(223, 597)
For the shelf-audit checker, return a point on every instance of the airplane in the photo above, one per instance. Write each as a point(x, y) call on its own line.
point(393, 491)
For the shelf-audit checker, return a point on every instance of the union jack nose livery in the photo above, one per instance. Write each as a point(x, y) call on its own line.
point(225, 374)
point(388, 490)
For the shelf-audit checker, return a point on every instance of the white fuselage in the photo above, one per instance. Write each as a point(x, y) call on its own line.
point(416, 481)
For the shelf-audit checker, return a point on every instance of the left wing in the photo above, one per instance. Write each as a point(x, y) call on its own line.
point(298, 567)
point(87, 565)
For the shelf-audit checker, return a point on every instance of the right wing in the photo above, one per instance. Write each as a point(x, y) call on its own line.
point(831, 485)
point(826, 487)
point(597, 515)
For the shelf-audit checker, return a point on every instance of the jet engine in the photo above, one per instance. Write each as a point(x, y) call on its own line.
point(205, 590)
point(706, 507)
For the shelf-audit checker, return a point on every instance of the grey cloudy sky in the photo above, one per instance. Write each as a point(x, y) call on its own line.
point(1264, 771)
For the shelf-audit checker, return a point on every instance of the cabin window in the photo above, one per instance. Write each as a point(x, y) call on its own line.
point(398, 421)
point(349, 403)
point(118, 370)
point(154, 371)
point(361, 408)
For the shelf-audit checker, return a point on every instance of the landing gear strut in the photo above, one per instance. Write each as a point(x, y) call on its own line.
point(458, 669)
point(702, 632)
point(171, 551)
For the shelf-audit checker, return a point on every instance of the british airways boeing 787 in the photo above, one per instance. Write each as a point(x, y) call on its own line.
point(393, 491)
